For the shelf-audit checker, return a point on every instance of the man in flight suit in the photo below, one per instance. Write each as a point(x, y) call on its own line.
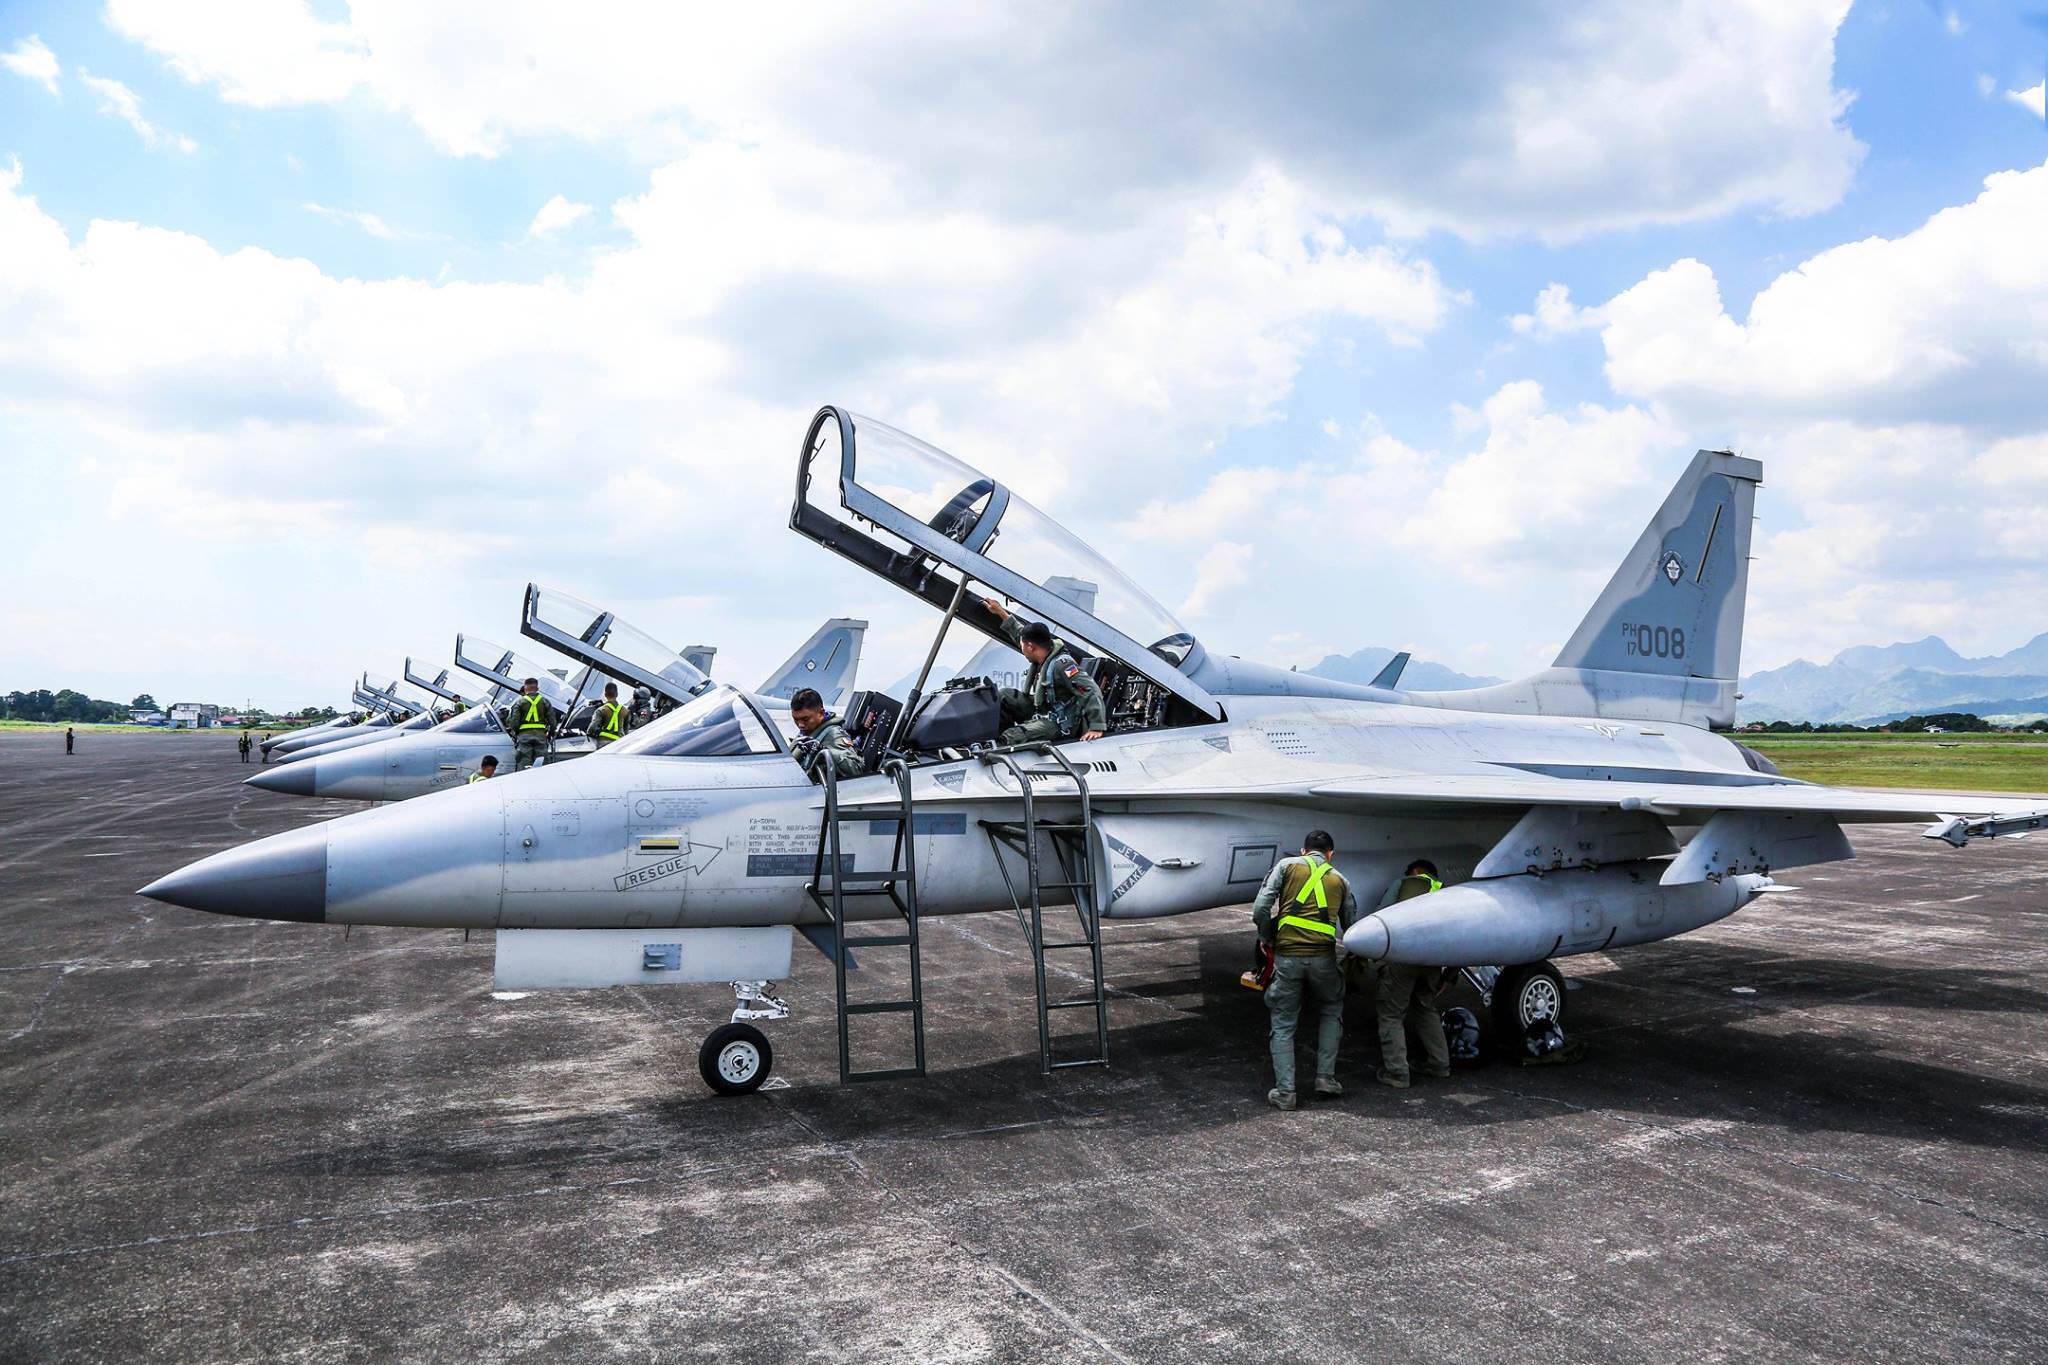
point(1058, 701)
point(242, 744)
point(1315, 906)
point(530, 719)
point(610, 722)
point(1407, 995)
point(825, 741)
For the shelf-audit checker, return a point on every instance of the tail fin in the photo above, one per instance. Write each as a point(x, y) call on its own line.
point(1390, 672)
point(828, 661)
point(1664, 640)
point(699, 657)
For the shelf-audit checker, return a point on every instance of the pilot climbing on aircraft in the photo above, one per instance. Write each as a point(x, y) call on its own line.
point(1058, 701)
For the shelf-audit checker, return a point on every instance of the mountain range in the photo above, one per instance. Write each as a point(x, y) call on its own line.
point(1868, 684)
point(1862, 685)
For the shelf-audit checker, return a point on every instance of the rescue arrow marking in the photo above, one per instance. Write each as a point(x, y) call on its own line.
point(696, 859)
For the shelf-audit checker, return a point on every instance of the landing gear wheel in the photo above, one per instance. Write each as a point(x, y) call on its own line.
point(735, 1059)
point(1529, 994)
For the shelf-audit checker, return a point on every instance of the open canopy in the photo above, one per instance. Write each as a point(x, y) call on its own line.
point(436, 684)
point(507, 669)
point(609, 645)
point(931, 524)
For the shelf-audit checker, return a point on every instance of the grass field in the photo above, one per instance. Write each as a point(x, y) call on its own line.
point(1983, 763)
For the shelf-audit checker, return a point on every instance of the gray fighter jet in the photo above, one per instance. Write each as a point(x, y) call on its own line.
point(1588, 808)
point(412, 765)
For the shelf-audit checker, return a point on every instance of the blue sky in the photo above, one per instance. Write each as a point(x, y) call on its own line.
point(298, 377)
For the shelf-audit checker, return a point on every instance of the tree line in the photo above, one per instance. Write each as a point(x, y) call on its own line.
point(72, 708)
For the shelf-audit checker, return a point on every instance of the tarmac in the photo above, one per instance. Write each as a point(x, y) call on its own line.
point(1818, 1130)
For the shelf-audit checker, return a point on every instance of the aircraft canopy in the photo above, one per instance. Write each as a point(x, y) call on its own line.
point(507, 669)
point(927, 522)
point(611, 646)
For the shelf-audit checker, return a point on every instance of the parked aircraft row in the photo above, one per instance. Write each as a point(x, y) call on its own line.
point(1592, 806)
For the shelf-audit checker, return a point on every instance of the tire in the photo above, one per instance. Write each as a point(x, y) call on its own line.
point(735, 1059)
point(1523, 995)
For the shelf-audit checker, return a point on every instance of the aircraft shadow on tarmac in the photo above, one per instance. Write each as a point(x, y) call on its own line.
point(1697, 1056)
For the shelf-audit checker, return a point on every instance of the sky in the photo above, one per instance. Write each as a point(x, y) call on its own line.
point(324, 328)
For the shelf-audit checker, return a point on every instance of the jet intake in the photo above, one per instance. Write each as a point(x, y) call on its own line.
point(1525, 918)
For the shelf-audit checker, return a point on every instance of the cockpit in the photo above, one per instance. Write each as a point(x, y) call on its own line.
point(508, 670)
point(722, 722)
point(942, 530)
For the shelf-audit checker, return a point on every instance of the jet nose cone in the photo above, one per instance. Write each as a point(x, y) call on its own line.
point(291, 779)
point(282, 877)
point(1367, 938)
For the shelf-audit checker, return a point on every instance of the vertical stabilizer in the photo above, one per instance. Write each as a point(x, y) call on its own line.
point(828, 661)
point(699, 657)
point(1664, 641)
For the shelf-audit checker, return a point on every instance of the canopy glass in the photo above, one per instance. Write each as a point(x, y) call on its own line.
point(602, 640)
point(509, 669)
point(931, 523)
point(722, 723)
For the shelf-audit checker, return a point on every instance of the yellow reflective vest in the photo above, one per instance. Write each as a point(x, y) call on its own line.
point(611, 721)
point(1310, 899)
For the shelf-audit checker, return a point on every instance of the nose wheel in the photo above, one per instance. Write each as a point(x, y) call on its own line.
point(735, 1059)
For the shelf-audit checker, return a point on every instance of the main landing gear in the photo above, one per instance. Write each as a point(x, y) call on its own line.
point(736, 1058)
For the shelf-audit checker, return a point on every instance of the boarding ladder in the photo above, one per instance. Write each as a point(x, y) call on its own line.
point(834, 882)
point(1031, 840)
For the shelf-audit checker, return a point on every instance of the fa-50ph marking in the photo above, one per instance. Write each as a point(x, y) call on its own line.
point(692, 850)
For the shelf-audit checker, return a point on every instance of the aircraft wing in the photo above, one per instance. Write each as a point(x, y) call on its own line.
point(1957, 816)
point(1669, 798)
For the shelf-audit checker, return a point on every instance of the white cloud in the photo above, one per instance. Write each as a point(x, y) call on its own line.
point(655, 398)
point(2034, 99)
point(1529, 120)
point(1987, 85)
point(368, 222)
point(33, 61)
point(556, 214)
point(1948, 322)
point(122, 103)
point(1554, 315)
point(1952, 24)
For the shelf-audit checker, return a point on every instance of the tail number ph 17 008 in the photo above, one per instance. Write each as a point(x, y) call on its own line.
point(1653, 642)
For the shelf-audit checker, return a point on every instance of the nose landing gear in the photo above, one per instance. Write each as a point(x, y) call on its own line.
point(736, 1058)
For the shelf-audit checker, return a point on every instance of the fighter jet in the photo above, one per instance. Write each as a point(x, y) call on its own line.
point(410, 715)
point(1588, 808)
point(374, 712)
point(413, 765)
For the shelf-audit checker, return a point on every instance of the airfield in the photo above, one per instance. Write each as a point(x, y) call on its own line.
point(1819, 1129)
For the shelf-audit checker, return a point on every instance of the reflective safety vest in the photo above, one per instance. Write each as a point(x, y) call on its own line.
point(611, 720)
point(532, 720)
point(1313, 893)
point(476, 777)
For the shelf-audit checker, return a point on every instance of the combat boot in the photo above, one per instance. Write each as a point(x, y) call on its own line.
point(1282, 1099)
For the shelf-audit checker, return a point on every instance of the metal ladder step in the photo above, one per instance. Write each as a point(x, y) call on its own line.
point(833, 883)
point(1067, 842)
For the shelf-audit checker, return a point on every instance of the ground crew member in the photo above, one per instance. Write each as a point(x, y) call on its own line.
point(530, 719)
point(1314, 905)
point(243, 744)
point(825, 741)
point(1058, 700)
point(69, 739)
point(266, 746)
point(610, 722)
point(1407, 995)
point(487, 768)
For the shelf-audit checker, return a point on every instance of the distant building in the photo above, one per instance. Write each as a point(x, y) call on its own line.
point(147, 716)
point(194, 715)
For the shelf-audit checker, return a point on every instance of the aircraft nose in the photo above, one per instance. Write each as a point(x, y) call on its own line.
point(1367, 938)
point(282, 877)
point(293, 779)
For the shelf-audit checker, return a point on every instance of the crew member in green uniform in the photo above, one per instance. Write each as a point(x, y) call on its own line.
point(1315, 906)
point(1406, 996)
point(1058, 701)
point(530, 719)
point(487, 768)
point(610, 722)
